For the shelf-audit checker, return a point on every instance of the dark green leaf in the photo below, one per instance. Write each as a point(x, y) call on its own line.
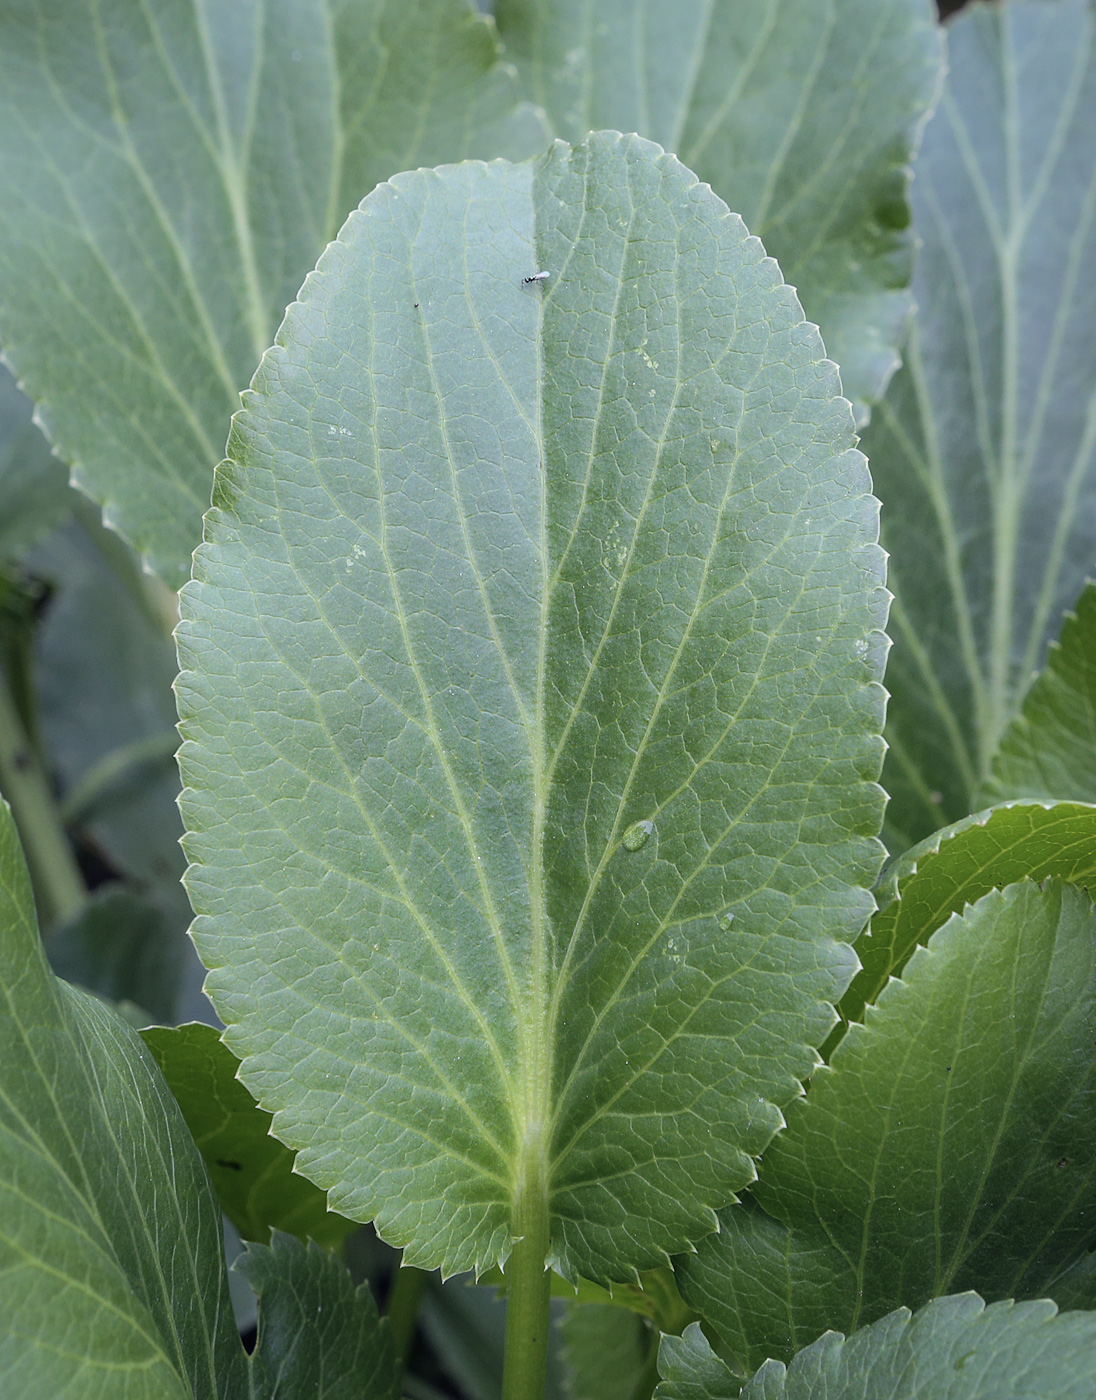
point(319, 1337)
point(984, 451)
point(802, 114)
point(953, 1349)
point(958, 865)
point(251, 1171)
point(169, 173)
point(950, 1143)
point(112, 1280)
point(532, 705)
point(1049, 749)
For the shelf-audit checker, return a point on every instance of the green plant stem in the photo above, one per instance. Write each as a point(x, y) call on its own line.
point(58, 888)
point(403, 1307)
point(529, 1285)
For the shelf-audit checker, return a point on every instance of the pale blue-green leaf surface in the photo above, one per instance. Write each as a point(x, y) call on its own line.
point(984, 450)
point(802, 114)
point(954, 1349)
point(112, 1280)
point(1049, 749)
point(169, 172)
point(531, 704)
point(950, 1143)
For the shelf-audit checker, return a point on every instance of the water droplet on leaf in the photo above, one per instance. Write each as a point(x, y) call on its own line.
point(636, 835)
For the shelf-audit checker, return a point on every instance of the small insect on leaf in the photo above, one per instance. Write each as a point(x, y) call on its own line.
point(536, 277)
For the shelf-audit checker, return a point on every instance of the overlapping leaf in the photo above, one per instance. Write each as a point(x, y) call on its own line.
point(112, 1278)
point(955, 867)
point(531, 707)
point(606, 1352)
point(251, 1171)
point(802, 114)
point(953, 1349)
point(950, 1143)
point(169, 173)
point(112, 1275)
point(984, 451)
point(1049, 749)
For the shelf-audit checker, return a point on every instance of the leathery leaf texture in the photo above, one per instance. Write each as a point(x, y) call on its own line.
point(984, 450)
point(949, 1144)
point(954, 1349)
point(169, 172)
point(112, 1278)
point(531, 709)
point(802, 114)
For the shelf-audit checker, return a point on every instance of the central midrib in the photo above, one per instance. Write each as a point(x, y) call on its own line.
point(531, 1175)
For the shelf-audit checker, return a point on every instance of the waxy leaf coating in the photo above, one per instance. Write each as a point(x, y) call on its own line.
point(497, 570)
point(984, 450)
point(802, 114)
point(169, 173)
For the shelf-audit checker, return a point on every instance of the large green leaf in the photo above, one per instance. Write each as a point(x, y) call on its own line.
point(251, 1171)
point(950, 1143)
point(112, 1280)
point(1049, 749)
point(802, 114)
point(984, 451)
point(958, 865)
point(168, 174)
point(953, 1349)
point(531, 710)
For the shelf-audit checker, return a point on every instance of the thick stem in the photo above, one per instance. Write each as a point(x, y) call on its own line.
point(403, 1308)
point(528, 1291)
point(58, 889)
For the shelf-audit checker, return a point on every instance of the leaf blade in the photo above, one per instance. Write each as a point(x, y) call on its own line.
point(108, 1215)
point(252, 1172)
point(955, 1348)
point(319, 1338)
point(1046, 750)
point(169, 175)
point(535, 571)
point(801, 116)
point(984, 450)
point(945, 1147)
